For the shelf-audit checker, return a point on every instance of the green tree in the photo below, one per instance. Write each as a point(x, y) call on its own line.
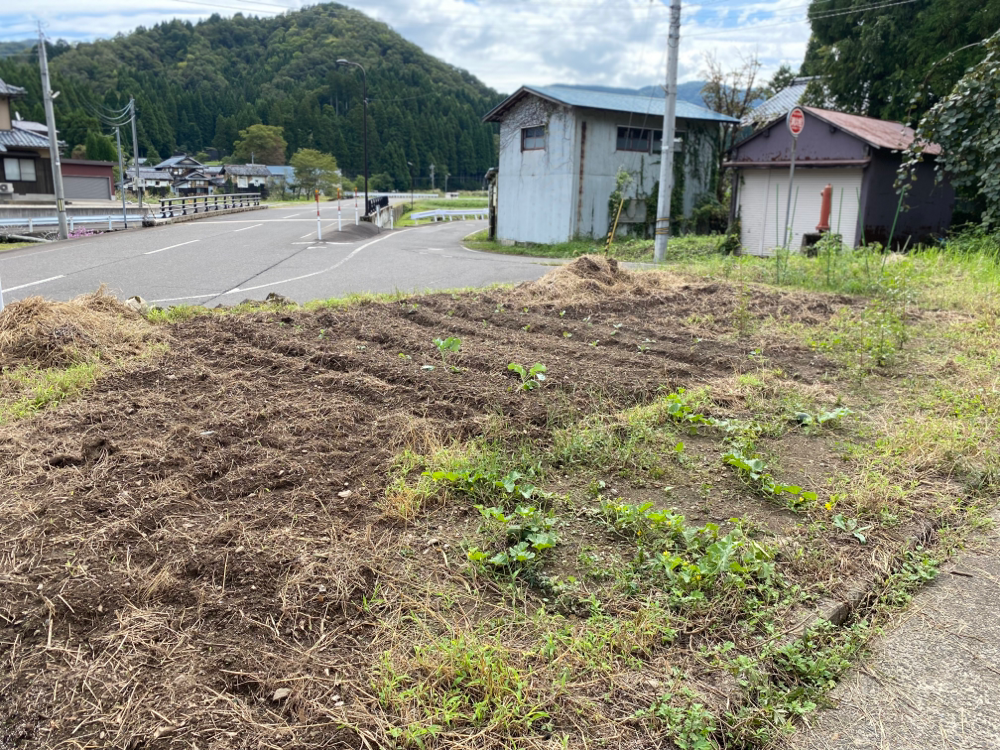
point(261, 144)
point(874, 58)
point(100, 147)
point(314, 170)
point(780, 81)
point(965, 124)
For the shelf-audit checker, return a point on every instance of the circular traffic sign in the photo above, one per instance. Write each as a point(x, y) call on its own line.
point(796, 122)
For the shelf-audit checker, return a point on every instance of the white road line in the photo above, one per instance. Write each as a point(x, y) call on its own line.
point(307, 235)
point(291, 215)
point(153, 252)
point(336, 265)
point(33, 283)
point(246, 228)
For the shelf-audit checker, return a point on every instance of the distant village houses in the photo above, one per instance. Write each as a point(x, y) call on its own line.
point(565, 151)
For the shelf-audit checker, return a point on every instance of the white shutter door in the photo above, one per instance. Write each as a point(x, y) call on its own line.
point(764, 201)
point(754, 193)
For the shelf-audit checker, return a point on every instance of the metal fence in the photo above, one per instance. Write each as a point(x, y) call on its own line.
point(195, 204)
point(374, 204)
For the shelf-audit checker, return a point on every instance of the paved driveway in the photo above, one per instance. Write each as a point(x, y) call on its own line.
point(248, 255)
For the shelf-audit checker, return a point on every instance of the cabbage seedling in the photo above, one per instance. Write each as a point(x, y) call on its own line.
point(530, 379)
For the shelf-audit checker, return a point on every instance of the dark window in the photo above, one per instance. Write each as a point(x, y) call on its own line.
point(533, 139)
point(657, 141)
point(634, 139)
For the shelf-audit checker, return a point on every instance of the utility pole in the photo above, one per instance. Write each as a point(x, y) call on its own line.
point(667, 144)
point(50, 120)
point(432, 177)
point(446, 176)
point(135, 158)
point(118, 140)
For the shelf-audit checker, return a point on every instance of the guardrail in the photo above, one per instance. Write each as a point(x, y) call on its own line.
point(446, 214)
point(32, 222)
point(373, 194)
point(195, 204)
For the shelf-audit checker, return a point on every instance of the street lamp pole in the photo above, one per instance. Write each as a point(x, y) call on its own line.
point(410, 165)
point(364, 79)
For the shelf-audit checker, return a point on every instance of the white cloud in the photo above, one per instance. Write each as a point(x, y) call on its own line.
point(505, 43)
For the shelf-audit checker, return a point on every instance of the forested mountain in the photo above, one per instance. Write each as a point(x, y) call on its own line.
point(876, 57)
point(198, 85)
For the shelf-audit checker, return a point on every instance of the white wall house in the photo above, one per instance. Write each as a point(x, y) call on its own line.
point(563, 147)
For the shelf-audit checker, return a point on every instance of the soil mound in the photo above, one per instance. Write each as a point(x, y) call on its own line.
point(591, 275)
point(39, 332)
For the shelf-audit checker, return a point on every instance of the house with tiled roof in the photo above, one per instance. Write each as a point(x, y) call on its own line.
point(247, 178)
point(565, 149)
point(859, 158)
point(25, 161)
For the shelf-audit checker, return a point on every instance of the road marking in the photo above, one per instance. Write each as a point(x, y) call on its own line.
point(153, 252)
point(246, 228)
point(33, 283)
point(291, 215)
point(336, 265)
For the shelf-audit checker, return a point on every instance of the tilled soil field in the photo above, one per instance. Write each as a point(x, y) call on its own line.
point(228, 541)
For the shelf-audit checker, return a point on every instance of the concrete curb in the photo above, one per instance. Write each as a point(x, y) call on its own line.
point(858, 594)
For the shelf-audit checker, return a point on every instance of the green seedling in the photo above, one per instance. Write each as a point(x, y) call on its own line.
point(851, 526)
point(530, 379)
point(754, 471)
point(567, 335)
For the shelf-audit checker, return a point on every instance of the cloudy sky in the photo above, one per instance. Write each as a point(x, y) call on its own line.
point(506, 43)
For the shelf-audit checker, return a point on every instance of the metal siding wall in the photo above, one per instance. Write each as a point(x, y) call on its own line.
point(535, 201)
point(765, 189)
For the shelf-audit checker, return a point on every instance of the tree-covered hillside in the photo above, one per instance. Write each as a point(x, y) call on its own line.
point(198, 85)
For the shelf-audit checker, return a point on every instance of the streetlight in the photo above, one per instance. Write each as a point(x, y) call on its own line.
point(410, 165)
point(364, 78)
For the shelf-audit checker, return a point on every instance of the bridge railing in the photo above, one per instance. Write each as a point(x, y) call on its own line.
point(33, 222)
point(195, 204)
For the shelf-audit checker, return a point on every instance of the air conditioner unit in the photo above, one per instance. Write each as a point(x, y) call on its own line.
point(6, 188)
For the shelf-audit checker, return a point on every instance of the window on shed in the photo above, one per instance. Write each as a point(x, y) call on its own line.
point(533, 139)
point(634, 139)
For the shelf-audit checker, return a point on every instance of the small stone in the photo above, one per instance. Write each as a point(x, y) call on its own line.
point(345, 494)
point(280, 694)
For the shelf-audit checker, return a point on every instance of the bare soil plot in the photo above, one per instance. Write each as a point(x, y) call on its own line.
point(316, 528)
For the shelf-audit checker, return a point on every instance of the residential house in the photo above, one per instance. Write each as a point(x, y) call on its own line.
point(179, 166)
point(564, 150)
point(151, 180)
point(195, 182)
point(25, 160)
point(247, 178)
point(859, 157)
point(281, 178)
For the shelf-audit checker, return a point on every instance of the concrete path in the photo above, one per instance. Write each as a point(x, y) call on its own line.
point(932, 681)
point(228, 259)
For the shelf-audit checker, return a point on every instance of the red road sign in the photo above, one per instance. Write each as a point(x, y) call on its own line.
point(796, 122)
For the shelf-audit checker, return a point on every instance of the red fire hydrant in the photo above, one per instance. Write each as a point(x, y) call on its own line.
point(824, 211)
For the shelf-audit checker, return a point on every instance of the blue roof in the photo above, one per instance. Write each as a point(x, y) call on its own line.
point(601, 98)
point(780, 103)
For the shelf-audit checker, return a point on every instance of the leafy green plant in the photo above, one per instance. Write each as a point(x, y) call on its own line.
point(530, 378)
point(754, 471)
point(511, 487)
point(521, 536)
point(688, 726)
point(823, 418)
point(451, 344)
point(851, 526)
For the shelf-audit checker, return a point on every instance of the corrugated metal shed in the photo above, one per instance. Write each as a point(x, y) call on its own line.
point(21, 139)
point(581, 96)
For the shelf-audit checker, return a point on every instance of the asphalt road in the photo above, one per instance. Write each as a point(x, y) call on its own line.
point(228, 259)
